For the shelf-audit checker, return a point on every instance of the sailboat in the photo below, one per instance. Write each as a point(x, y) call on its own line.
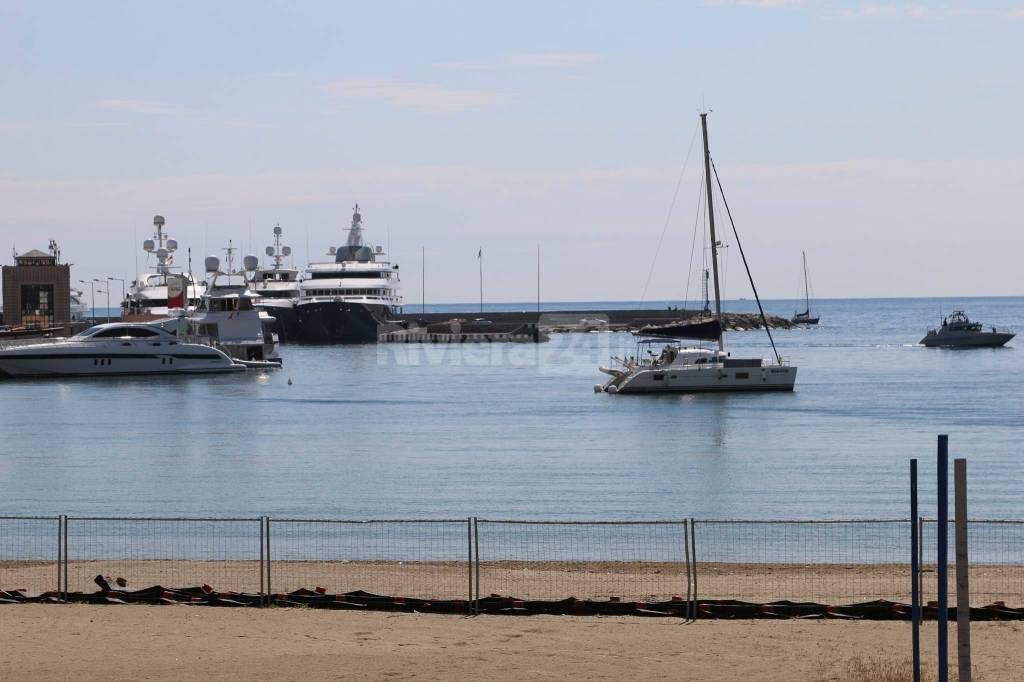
point(678, 369)
point(805, 317)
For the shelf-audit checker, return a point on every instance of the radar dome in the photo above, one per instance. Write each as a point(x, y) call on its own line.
point(286, 250)
point(162, 253)
point(277, 230)
point(250, 262)
point(380, 249)
point(148, 245)
point(172, 244)
point(212, 264)
point(269, 251)
point(332, 250)
point(158, 220)
point(364, 254)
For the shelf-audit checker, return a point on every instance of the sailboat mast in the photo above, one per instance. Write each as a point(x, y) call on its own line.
point(711, 226)
point(807, 292)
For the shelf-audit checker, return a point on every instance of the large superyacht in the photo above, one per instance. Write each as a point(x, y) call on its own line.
point(346, 299)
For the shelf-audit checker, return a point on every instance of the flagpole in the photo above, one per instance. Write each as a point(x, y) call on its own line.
point(538, 279)
point(480, 257)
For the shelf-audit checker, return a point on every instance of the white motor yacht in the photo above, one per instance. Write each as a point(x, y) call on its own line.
point(117, 348)
point(677, 369)
point(227, 316)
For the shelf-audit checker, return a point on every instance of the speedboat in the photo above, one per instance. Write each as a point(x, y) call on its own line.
point(678, 369)
point(117, 348)
point(958, 331)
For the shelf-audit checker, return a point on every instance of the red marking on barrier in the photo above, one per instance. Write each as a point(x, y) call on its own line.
point(704, 608)
point(640, 604)
point(495, 596)
point(321, 590)
point(517, 604)
point(615, 599)
point(280, 596)
point(195, 599)
point(207, 589)
point(999, 604)
point(933, 604)
point(398, 600)
point(166, 595)
point(48, 595)
point(676, 597)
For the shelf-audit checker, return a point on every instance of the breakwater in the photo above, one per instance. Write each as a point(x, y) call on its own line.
point(586, 320)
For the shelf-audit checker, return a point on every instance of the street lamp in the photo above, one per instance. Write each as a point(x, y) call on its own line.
point(107, 292)
point(123, 295)
point(92, 285)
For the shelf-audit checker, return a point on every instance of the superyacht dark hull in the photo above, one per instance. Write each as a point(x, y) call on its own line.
point(286, 321)
point(338, 322)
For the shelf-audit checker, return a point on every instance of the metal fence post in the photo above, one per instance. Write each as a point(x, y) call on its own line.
point(915, 567)
point(266, 521)
point(693, 553)
point(689, 577)
point(60, 556)
point(263, 565)
point(476, 551)
point(963, 592)
point(942, 476)
point(66, 552)
point(469, 562)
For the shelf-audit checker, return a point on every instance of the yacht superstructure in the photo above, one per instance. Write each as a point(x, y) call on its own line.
point(345, 300)
point(149, 297)
point(278, 288)
point(227, 316)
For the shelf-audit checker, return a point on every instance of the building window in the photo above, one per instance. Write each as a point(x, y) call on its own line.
point(37, 305)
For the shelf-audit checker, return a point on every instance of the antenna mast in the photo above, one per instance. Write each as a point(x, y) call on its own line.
point(711, 226)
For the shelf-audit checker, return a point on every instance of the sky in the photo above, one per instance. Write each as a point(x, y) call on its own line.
point(882, 138)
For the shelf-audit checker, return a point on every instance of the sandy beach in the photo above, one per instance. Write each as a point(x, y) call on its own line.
point(181, 642)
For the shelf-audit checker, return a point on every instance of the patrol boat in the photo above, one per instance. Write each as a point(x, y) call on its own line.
point(958, 331)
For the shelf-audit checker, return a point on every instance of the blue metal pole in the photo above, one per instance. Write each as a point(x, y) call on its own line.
point(942, 475)
point(915, 591)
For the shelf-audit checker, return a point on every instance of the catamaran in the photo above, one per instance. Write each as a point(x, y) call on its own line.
point(678, 369)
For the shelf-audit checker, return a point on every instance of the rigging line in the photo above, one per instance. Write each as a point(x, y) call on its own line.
point(668, 218)
point(736, 234)
point(693, 244)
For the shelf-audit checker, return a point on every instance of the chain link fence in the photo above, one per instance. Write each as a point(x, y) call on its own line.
point(226, 554)
point(30, 551)
point(631, 560)
point(826, 562)
point(426, 559)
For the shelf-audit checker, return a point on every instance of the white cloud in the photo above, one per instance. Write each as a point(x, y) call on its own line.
point(138, 106)
point(554, 59)
point(423, 97)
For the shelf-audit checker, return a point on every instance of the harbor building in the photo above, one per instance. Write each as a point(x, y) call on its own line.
point(37, 291)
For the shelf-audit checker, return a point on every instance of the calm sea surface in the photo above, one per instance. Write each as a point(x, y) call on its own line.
point(510, 430)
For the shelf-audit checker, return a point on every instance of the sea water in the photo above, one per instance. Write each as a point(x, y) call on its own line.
point(516, 431)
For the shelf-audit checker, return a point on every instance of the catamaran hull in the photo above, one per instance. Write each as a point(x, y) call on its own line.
point(725, 380)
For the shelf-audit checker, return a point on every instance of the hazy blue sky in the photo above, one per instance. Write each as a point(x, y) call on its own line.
point(884, 138)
